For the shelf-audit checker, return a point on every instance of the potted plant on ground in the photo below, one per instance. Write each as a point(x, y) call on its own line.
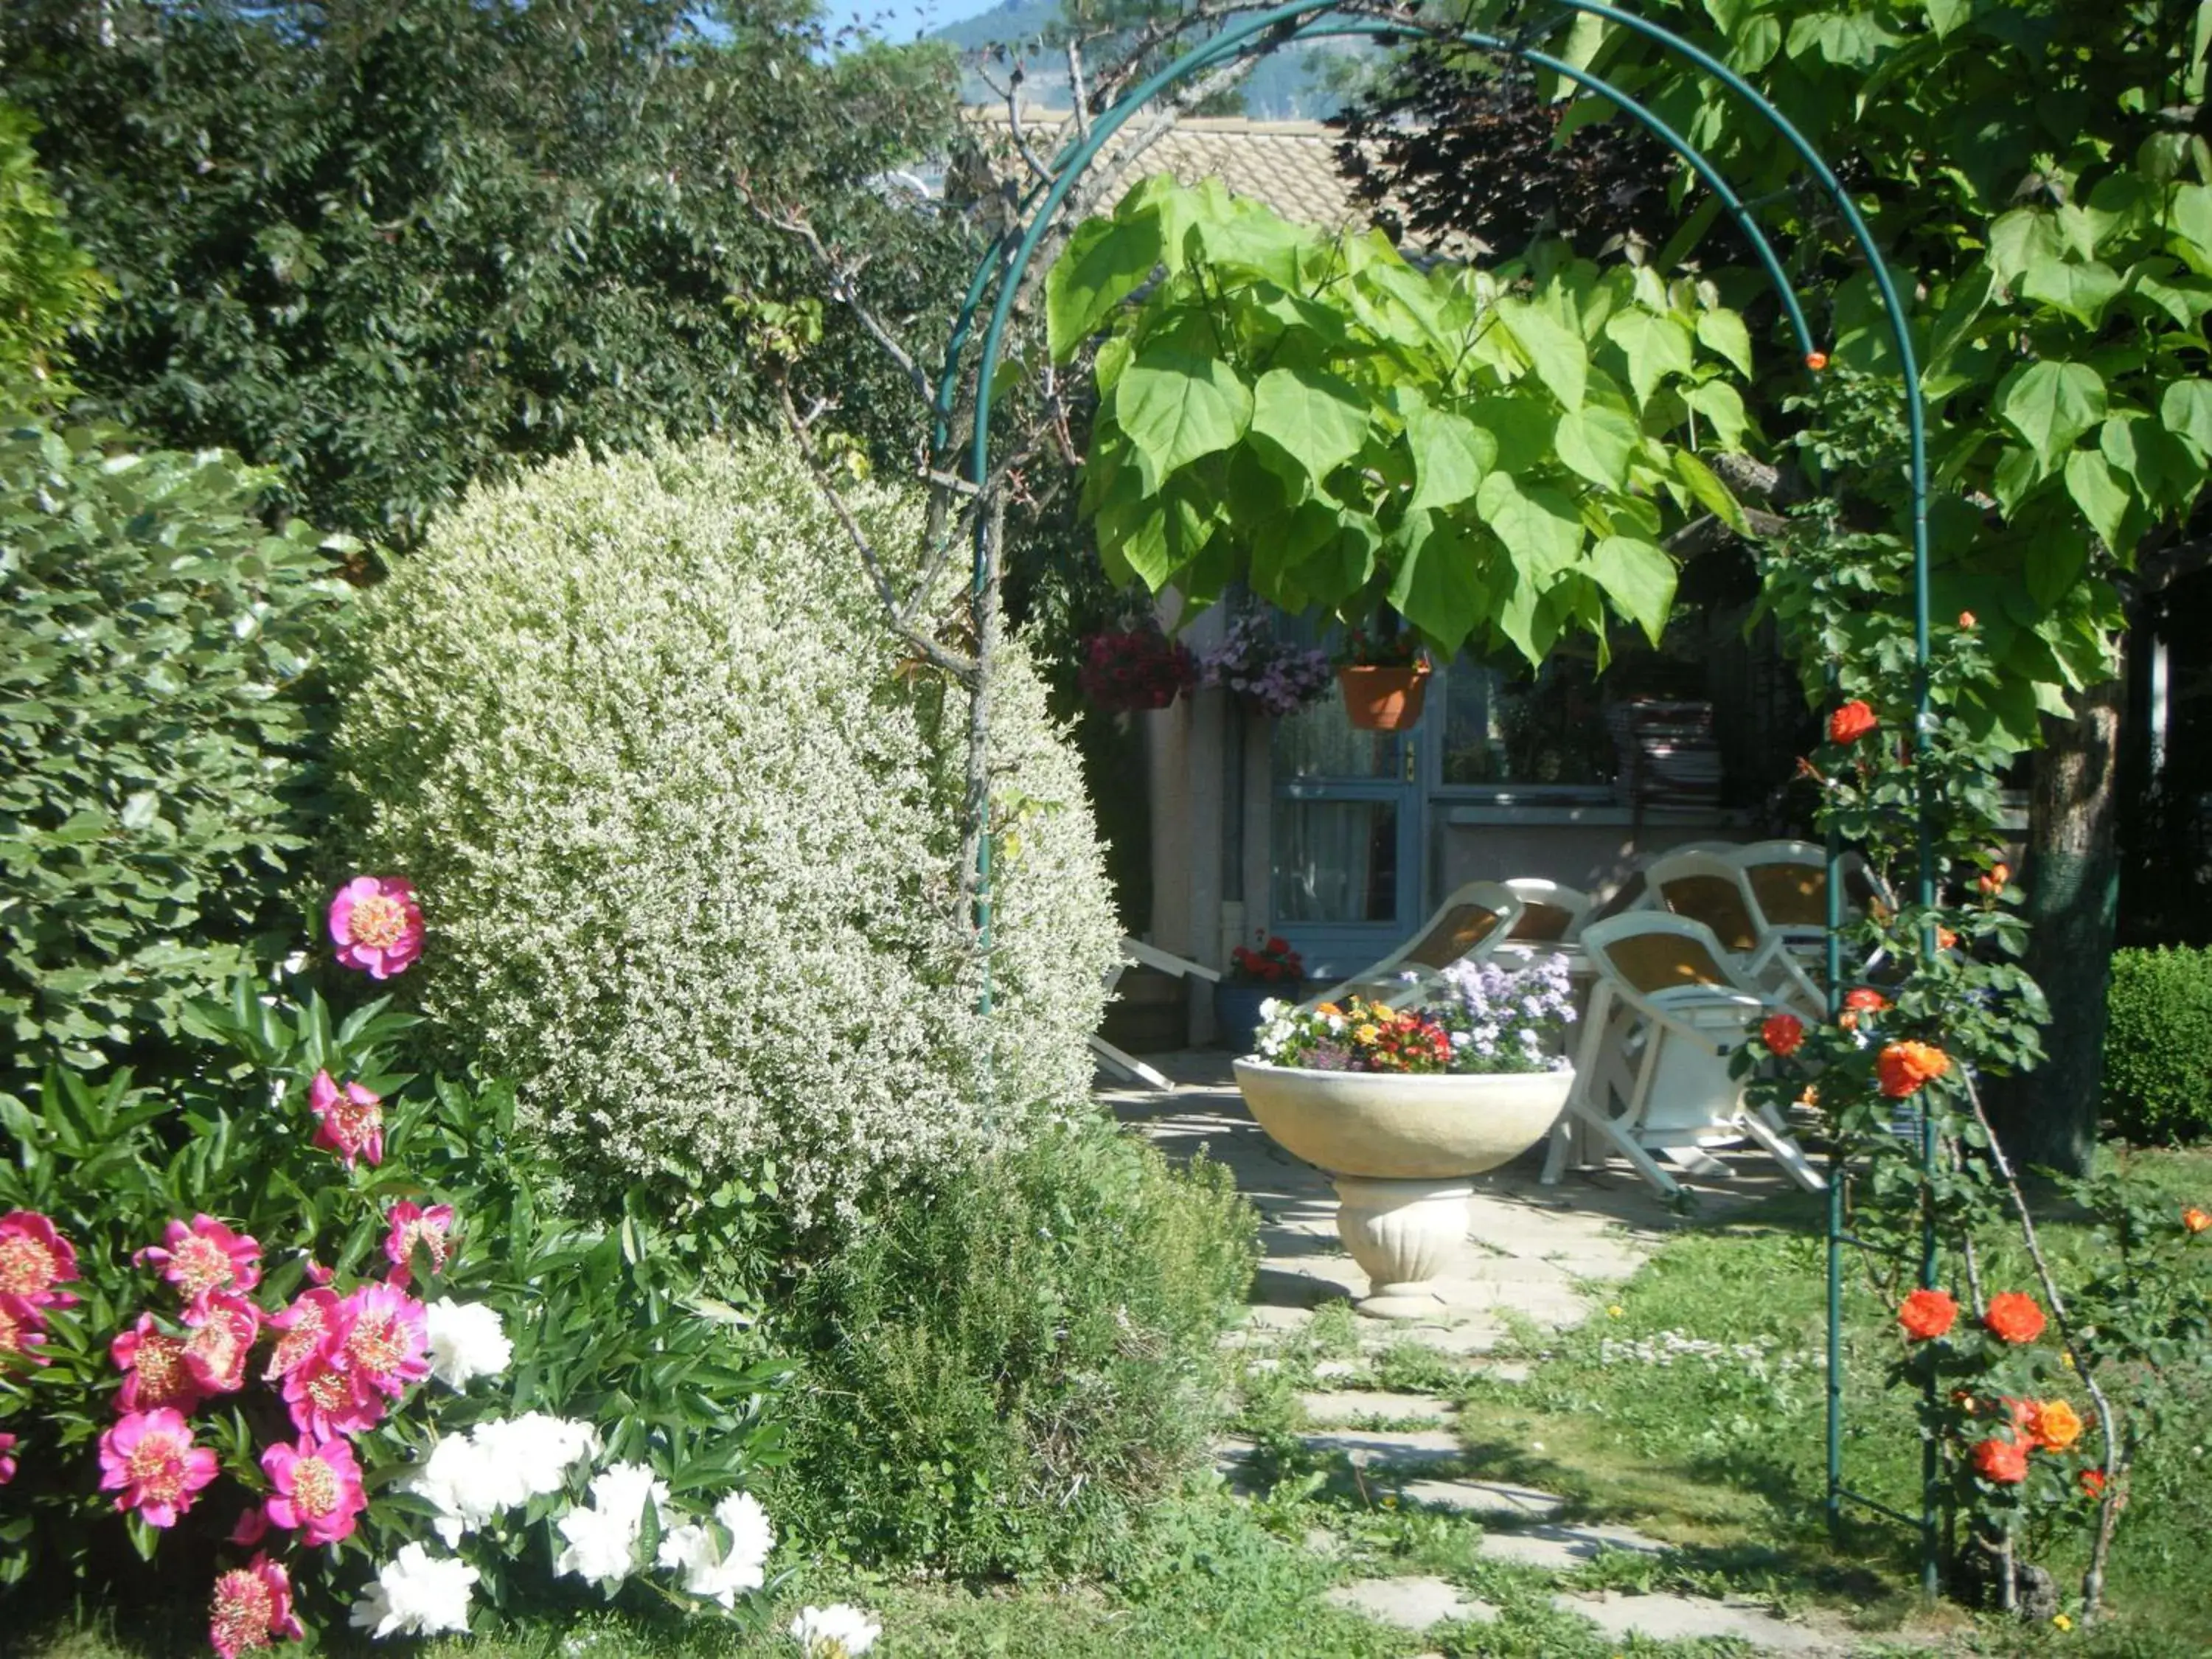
point(1384, 677)
point(1401, 1106)
point(1273, 972)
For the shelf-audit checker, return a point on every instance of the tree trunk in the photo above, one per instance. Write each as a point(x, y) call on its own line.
point(2048, 1117)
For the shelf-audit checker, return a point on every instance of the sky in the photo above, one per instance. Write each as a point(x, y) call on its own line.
point(901, 19)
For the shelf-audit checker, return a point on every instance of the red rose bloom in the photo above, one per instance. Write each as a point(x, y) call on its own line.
point(2092, 1483)
point(1866, 1001)
point(1927, 1315)
point(2002, 1460)
point(2013, 1317)
point(1783, 1034)
point(1850, 722)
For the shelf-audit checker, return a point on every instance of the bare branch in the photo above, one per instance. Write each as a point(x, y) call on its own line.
point(843, 276)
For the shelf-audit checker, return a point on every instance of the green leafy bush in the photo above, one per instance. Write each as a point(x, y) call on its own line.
point(2157, 1046)
point(997, 1371)
point(156, 642)
point(525, 1309)
point(686, 826)
point(47, 286)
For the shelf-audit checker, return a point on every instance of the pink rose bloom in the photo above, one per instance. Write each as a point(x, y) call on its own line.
point(149, 1458)
point(205, 1258)
point(349, 1122)
point(155, 1371)
point(8, 1445)
point(412, 1224)
point(318, 1490)
point(223, 1333)
point(326, 1400)
point(22, 1328)
point(376, 924)
point(387, 1338)
point(303, 1329)
point(251, 1608)
point(33, 1259)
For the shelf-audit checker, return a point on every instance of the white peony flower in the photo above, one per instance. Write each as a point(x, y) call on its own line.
point(533, 1453)
point(602, 1539)
point(466, 1342)
point(837, 1632)
point(466, 1486)
point(415, 1594)
point(719, 1574)
point(620, 1491)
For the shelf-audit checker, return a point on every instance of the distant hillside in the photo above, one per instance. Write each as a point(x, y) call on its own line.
point(1286, 87)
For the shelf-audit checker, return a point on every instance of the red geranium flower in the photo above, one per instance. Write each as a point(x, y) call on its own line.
point(1927, 1315)
point(2014, 1317)
point(1850, 722)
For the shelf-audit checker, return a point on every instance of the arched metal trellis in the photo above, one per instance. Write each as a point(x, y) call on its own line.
point(998, 281)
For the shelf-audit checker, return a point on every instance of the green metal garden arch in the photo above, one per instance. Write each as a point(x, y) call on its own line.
point(997, 282)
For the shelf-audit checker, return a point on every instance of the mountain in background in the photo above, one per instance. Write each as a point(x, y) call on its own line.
point(1287, 86)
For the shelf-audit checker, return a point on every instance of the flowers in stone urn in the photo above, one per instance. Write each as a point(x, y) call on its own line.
point(1357, 1036)
point(1481, 1017)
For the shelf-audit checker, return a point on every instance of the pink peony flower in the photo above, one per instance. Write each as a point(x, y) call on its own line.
point(252, 1608)
point(222, 1334)
point(205, 1258)
point(412, 1224)
point(33, 1259)
point(376, 924)
point(22, 1328)
point(318, 1490)
point(349, 1122)
point(326, 1399)
point(155, 1371)
point(303, 1329)
point(149, 1458)
point(387, 1338)
point(8, 1445)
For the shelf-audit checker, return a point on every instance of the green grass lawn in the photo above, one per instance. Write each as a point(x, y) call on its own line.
point(1629, 1418)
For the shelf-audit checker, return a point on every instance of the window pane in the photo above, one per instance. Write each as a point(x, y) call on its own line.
point(1545, 728)
point(1335, 861)
point(1320, 741)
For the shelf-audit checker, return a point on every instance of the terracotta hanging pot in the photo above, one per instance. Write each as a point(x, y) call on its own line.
point(1383, 699)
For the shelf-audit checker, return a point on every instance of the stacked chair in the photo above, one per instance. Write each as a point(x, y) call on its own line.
point(1467, 928)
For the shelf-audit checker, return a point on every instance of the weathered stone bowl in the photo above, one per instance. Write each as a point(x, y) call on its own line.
point(1383, 1126)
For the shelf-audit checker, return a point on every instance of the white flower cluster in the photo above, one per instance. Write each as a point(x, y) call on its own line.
point(499, 1466)
point(466, 1342)
point(686, 830)
point(837, 1632)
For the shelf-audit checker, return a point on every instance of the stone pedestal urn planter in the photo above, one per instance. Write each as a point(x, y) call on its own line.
point(1400, 1150)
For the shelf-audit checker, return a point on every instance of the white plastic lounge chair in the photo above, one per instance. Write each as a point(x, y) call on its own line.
point(1712, 888)
point(1551, 913)
point(1467, 928)
point(1135, 953)
point(1667, 1008)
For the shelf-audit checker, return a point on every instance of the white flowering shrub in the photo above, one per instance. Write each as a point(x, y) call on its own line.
point(692, 834)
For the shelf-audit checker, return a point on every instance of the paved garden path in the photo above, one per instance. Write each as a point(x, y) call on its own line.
point(1536, 1257)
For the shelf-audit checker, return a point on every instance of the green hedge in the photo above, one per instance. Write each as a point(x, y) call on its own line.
point(2158, 1047)
point(997, 1371)
point(156, 641)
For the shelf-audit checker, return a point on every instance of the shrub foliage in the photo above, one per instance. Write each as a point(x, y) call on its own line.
point(689, 829)
point(2158, 1047)
point(995, 1373)
point(155, 641)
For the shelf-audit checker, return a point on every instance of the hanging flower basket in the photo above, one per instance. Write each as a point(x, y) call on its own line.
point(1383, 699)
point(1140, 669)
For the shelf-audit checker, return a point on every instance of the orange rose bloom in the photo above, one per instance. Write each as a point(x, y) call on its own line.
point(1783, 1034)
point(1903, 1067)
point(2195, 1219)
point(1993, 882)
point(2003, 1460)
point(1850, 722)
point(2092, 1483)
point(1945, 939)
point(2013, 1317)
point(1927, 1315)
point(1966, 619)
point(1865, 999)
point(2053, 1425)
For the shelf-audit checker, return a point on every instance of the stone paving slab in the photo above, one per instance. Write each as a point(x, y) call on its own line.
point(1471, 1496)
point(1561, 1546)
point(1680, 1618)
point(1349, 1405)
point(1377, 1448)
point(1410, 1603)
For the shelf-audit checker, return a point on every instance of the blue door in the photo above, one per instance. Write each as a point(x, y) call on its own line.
point(1344, 839)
